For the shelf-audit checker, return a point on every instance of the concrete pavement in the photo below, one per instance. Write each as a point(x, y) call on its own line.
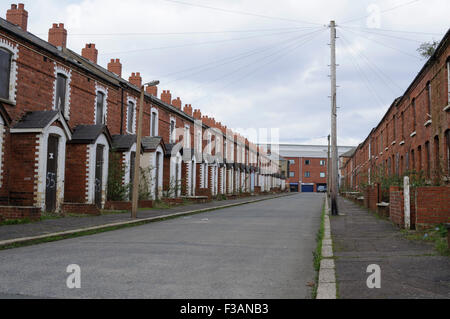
point(260, 250)
point(409, 269)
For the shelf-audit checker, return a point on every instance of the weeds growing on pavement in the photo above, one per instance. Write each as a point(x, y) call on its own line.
point(317, 254)
point(437, 235)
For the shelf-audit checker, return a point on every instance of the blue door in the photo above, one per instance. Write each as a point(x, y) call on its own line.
point(307, 188)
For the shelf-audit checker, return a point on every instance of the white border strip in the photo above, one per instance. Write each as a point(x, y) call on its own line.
point(327, 277)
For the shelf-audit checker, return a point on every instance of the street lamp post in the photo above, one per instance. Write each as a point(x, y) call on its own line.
point(135, 193)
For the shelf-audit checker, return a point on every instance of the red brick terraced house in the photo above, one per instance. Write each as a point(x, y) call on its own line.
point(413, 135)
point(413, 138)
point(62, 116)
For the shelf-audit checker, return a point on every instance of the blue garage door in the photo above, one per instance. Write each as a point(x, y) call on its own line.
point(307, 188)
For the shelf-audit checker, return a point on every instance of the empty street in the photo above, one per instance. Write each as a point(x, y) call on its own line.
point(259, 250)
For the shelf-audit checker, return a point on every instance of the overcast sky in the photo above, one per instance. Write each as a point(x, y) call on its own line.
point(260, 63)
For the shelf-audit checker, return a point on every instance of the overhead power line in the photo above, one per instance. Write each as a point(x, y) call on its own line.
point(240, 12)
point(238, 57)
point(382, 11)
point(386, 35)
point(376, 70)
point(120, 34)
point(391, 30)
point(362, 74)
point(384, 44)
point(276, 57)
point(197, 43)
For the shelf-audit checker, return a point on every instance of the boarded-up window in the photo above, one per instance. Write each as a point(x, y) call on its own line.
point(100, 105)
point(130, 117)
point(172, 131)
point(61, 87)
point(428, 100)
point(153, 124)
point(5, 70)
point(427, 159)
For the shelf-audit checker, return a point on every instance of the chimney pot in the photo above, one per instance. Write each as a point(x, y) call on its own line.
point(90, 52)
point(166, 97)
point(177, 103)
point(135, 79)
point(152, 90)
point(57, 35)
point(115, 67)
point(18, 16)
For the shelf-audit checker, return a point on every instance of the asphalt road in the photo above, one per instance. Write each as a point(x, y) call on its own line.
point(260, 250)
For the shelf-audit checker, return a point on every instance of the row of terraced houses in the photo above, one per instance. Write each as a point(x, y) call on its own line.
point(413, 135)
point(412, 139)
point(64, 120)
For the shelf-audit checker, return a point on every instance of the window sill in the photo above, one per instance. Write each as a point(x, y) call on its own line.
point(402, 143)
point(447, 108)
point(428, 123)
point(413, 134)
point(13, 103)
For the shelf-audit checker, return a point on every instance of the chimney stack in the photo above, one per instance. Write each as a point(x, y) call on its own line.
point(18, 16)
point(136, 79)
point(166, 97)
point(188, 109)
point(152, 90)
point(197, 114)
point(57, 35)
point(177, 103)
point(90, 52)
point(115, 67)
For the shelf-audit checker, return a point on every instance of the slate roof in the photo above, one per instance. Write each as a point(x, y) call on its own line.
point(123, 142)
point(88, 134)
point(151, 143)
point(349, 153)
point(36, 119)
point(4, 114)
point(170, 147)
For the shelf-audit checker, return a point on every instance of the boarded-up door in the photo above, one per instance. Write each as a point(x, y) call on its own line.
point(52, 168)
point(99, 175)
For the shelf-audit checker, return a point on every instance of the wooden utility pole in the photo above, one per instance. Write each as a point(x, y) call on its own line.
point(334, 153)
point(328, 169)
point(137, 162)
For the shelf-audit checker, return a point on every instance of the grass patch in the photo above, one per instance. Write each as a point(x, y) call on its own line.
point(114, 212)
point(15, 222)
point(317, 254)
point(436, 235)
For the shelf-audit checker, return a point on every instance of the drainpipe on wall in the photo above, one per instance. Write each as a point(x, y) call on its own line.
point(121, 112)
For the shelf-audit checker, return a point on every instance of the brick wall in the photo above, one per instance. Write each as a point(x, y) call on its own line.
point(75, 180)
point(78, 208)
point(204, 192)
point(15, 212)
point(432, 206)
point(401, 135)
point(22, 169)
point(372, 197)
point(396, 206)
